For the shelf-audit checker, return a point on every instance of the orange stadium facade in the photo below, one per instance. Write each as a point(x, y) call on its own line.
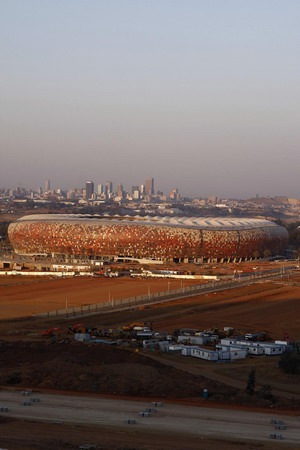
point(182, 239)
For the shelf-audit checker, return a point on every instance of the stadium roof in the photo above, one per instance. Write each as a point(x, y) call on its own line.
point(207, 223)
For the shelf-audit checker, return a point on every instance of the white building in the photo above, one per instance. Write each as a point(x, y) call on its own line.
point(203, 353)
point(187, 350)
point(255, 348)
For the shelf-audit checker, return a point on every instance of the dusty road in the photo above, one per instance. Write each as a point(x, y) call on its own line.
point(171, 418)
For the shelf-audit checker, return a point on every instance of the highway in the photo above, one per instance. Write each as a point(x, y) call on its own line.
point(170, 418)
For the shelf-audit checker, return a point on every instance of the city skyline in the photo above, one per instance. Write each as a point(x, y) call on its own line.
point(201, 95)
point(91, 190)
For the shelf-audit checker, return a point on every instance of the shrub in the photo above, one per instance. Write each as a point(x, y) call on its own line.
point(289, 362)
point(14, 378)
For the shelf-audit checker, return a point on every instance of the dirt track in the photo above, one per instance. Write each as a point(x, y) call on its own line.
point(171, 419)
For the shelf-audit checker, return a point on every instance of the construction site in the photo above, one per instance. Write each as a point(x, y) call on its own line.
point(192, 351)
point(154, 340)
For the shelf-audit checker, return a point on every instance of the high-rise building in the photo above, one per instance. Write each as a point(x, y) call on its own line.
point(120, 190)
point(108, 187)
point(149, 186)
point(47, 185)
point(100, 189)
point(89, 189)
point(136, 194)
point(174, 194)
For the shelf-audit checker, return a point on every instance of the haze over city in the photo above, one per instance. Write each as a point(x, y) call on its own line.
point(202, 96)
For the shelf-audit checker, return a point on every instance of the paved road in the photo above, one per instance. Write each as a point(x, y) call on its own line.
point(170, 418)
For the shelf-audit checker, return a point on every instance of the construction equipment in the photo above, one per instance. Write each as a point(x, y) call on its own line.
point(214, 331)
point(51, 332)
point(93, 331)
point(76, 328)
point(118, 333)
point(133, 325)
point(259, 337)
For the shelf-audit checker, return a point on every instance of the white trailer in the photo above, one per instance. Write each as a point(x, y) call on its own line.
point(203, 353)
point(224, 355)
point(228, 341)
point(187, 350)
point(264, 348)
point(255, 350)
point(238, 354)
point(274, 349)
point(235, 351)
point(174, 348)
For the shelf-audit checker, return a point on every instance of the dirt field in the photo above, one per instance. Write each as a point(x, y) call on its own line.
point(22, 297)
point(104, 369)
point(264, 307)
point(271, 306)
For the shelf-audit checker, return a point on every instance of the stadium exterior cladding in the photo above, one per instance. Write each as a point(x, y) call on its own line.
point(156, 238)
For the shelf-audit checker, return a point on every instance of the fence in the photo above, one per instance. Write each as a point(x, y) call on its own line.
point(176, 294)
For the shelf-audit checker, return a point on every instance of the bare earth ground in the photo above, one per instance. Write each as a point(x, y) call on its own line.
point(271, 306)
point(268, 306)
point(22, 297)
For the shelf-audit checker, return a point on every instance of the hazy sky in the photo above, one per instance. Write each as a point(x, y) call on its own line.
point(202, 95)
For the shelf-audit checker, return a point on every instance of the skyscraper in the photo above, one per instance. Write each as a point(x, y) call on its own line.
point(89, 188)
point(120, 190)
point(149, 186)
point(108, 187)
point(47, 185)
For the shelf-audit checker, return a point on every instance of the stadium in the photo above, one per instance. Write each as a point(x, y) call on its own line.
point(179, 239)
